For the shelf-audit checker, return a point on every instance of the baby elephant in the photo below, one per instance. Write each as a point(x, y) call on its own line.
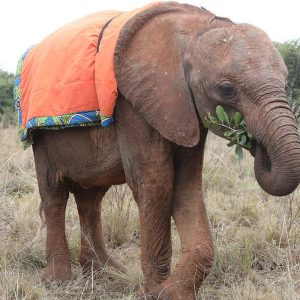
point(173, 64)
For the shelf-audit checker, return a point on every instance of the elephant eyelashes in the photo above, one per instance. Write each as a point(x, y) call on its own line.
point(227, 91)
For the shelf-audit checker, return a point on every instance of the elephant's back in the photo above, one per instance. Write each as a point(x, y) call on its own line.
point(68, 79)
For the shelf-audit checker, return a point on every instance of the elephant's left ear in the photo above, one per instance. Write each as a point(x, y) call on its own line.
point(150, 74)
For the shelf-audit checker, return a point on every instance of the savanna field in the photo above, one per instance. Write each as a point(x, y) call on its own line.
point(256, 236)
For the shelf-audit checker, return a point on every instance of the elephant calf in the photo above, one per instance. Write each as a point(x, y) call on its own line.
point(174, 63)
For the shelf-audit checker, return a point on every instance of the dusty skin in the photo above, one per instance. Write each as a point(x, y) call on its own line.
point(174, 64)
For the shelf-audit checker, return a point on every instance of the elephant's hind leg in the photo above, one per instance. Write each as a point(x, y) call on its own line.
point(54, 196)
point(93, 253)
point(57, 252)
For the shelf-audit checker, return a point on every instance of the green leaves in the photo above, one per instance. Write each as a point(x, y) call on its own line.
point(235, 129)
point(237, 118)
point(221, 114)
point(290, 52)
point(6, 90)
point(239, 152)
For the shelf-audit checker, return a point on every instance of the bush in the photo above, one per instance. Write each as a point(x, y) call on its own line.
point(7, 114)
point(290, 52)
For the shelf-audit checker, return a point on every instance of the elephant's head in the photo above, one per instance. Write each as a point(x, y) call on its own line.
point(175, 63)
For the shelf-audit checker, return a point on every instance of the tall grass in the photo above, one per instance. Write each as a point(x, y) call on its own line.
point(257, 236)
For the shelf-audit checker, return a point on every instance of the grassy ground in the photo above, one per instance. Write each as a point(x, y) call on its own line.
point(257, 237)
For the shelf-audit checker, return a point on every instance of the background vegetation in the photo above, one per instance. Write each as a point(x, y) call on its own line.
point(290, 51)
point(7, 115)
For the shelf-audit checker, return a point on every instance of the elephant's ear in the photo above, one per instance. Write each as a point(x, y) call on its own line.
point(150, 74)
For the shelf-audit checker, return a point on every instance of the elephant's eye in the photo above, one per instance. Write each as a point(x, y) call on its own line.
point(227, 90)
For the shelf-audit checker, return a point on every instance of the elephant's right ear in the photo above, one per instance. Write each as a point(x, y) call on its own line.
point(150, 74)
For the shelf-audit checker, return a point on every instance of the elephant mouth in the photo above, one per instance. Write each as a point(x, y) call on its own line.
point(258, 149)
point(263, 168)
point(253, 148)
point(260, 152)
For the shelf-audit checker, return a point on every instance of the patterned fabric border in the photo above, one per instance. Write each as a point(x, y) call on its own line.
point(17, 87)
point(79, 119)
point(87, 118)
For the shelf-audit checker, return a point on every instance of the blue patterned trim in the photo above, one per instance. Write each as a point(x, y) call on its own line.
point(106, 121)
point(86, 118)
point(17, 86)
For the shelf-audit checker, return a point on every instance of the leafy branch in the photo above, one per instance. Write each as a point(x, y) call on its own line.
point(235, 129)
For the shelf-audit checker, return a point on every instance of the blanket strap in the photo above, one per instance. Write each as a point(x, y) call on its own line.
point(102, 31)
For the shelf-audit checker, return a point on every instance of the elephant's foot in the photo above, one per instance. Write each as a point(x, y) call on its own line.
point(95, 265)
point(170, 291)
point(60, 273)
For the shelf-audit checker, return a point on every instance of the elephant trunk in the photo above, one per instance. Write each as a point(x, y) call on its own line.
point(277, 152)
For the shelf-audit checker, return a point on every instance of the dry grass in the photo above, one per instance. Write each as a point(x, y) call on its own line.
point(257, 237)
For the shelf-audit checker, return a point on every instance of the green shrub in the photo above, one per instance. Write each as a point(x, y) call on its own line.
point(7, 115)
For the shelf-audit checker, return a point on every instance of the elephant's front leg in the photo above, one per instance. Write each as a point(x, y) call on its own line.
point(154, 199)
point(148, 165)
point(151, 179)
point(193, 227)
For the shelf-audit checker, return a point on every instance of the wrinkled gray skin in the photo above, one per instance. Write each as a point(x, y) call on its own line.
point(174, 64)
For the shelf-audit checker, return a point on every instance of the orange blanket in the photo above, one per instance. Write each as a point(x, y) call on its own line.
point(68, 79)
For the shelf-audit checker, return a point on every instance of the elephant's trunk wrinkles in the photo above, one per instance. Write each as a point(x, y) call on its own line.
point(277, 154)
